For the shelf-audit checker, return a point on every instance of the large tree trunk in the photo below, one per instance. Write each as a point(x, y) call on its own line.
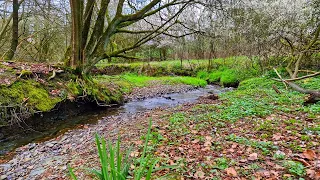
point(15, 27)
point(76, 16)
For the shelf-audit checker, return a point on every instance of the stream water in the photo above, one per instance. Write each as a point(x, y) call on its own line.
point(44, 127)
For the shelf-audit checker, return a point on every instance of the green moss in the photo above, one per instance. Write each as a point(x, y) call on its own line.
point(229, 78)
point(203, 75)
point(25, 73)
point(74, 88)
point(30, 93)
point(215, 76)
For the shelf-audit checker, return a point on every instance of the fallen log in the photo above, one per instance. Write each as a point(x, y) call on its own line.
point(313, 95)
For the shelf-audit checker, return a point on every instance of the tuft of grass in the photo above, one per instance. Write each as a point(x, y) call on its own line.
point(115, 166)
point(129, 81)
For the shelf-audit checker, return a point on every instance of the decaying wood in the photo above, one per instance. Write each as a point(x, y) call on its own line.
point(276, 89)
point(314, 95)
point(298, 78)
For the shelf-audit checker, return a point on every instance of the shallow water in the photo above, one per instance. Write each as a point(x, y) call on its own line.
point(42, 128)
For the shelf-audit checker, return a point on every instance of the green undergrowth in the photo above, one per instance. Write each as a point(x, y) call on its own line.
point(224, 76)
point(127, 82)
point(243, 66)
point(255, 97)
point(250, 117)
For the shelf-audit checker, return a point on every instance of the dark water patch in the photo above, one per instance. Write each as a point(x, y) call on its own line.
point(48, 125)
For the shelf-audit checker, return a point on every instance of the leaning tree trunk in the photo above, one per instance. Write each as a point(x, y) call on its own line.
point(15, 27)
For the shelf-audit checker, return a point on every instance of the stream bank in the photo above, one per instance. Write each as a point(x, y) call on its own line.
point(34, 160)
point(70, 115)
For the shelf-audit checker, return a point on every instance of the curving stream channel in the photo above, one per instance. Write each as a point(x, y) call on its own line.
point(44, 127)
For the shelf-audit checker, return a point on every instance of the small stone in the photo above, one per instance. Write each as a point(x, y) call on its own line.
point(3, 177)
point(5, 166)
point(50, 145)
point(37, 171)
point(26, 159)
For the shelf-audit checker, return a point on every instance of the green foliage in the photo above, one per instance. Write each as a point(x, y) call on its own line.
point(221, 163)
point(115, 165)
point(256, 83)
point(280, 156)
point(129, 81)
point(177, 118)
point(203, 75)
point(295, 168)
point(215, 76)
point(229, 78)
point(272, 74)
point(74, 88)
point(266, 147)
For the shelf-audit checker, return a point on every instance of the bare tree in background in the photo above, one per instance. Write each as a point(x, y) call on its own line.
point(15, 29)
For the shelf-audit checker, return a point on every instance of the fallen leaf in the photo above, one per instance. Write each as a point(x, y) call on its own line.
point(195, 141)
point(231, 172)
point(277, 136)
point(309, 154)
point(208, 138)
point(302, 161)
point(134, 154)
point(234, 145)
point(171, 162)
point(270, 163)
point(199, 174)
point(287, 175)
point(207, 144)
point(311, 173)
point(253, 157)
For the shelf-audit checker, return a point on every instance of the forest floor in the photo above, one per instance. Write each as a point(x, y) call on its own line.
point(251, 132)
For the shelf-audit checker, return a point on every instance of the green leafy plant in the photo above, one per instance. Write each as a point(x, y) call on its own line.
point(295, 168)
point(221, 163)
point(115, 165)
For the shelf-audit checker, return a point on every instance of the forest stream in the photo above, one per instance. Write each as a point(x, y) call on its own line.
point(48, 126)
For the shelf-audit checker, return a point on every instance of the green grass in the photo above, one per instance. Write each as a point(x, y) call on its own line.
point(128, 81)
point(242, 68)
